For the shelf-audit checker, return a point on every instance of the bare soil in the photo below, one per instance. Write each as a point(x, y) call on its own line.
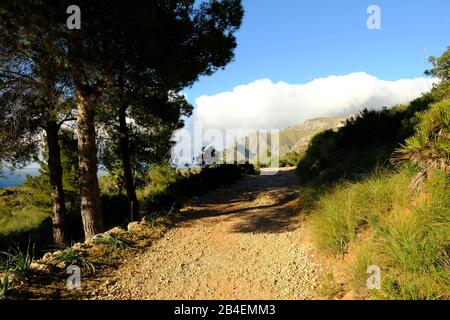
point(242, 241)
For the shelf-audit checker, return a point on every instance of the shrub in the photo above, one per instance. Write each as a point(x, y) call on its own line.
point(162, 176)
point(365, 142)
point(291, 159)
point(430, 145)
point(170, 189)
point(377, 216)
point(247, 168)
point(110, 240)
point(17, 261)
point(25, 212)
point(70, 256)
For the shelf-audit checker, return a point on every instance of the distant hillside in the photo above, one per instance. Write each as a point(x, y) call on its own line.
point(294, 138)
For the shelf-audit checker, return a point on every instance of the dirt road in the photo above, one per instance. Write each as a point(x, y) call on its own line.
point(243, 241)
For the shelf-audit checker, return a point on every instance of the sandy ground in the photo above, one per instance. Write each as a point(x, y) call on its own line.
point(242, 241)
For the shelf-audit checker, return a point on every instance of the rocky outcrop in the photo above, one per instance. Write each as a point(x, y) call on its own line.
point(294, 138)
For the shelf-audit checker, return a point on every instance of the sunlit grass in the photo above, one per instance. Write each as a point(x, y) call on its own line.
point(23, 210)
point(17, 219)
point(383, 221)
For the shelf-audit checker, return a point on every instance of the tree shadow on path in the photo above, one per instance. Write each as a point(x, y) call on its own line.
point(255, 204)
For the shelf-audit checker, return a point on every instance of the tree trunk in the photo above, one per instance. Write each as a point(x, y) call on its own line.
point(59, 218)
point(91, 212)
point(124, 145)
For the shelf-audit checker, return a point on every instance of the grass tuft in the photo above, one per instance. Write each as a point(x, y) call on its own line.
point(110, 240)
point(383, 221)
point(17, 261)
point(70, 256)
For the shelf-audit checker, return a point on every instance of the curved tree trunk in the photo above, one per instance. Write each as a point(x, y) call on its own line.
point(124, 144)
point(91, 212)
point(59, 218)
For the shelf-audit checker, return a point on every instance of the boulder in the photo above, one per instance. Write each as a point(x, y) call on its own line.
point(94, 239)
point(81, 246)
point(134, 227)
point(63, 265)
point(115, 232)
point(47, 257)
point(41, 267)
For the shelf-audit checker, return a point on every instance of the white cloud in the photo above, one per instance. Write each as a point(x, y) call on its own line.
point(264, 104)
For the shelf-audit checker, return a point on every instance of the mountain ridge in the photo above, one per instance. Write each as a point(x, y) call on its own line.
point(294, 138)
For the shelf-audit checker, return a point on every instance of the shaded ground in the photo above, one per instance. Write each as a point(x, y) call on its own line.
point(243, 241)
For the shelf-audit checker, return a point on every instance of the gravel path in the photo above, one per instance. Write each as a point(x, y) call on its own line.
point(243, 241)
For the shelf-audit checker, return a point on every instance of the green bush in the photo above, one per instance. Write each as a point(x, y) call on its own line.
point(25, 212)
point(375, 215)
point(365, 142)
point(415, 243)
point(369, 140)
point(17, 261)
point(169, 189)
point(291, 159)
point(110, 240)
point(162, 176)
point(70, 256)
point(431, 142)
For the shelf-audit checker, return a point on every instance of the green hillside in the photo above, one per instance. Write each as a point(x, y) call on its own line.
point(292, 140)
point(378, 193)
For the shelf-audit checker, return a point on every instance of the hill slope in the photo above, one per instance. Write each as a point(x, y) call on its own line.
point(296, 138)
point(292, 139)
point(378, 193)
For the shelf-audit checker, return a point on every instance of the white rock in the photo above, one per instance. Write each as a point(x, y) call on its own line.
point(115, 232)
point(47, 256)
point(133, 226)
point(40, 267)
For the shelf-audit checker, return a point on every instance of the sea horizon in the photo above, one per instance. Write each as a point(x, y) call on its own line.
point(17, 177)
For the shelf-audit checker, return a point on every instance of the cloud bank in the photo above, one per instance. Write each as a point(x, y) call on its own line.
point(263, 104)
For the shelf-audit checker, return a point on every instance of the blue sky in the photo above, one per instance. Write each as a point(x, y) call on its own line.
point(296, 41)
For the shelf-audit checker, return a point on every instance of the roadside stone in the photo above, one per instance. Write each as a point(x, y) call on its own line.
point(81, 246)
point(56, 254)
point(41, 267)
point(63, 264)
point(115, 232)
point(94, 239)
point(134, 227)
point(47, 256)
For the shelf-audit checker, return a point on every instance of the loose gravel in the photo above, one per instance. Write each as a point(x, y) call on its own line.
point(243, 241)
